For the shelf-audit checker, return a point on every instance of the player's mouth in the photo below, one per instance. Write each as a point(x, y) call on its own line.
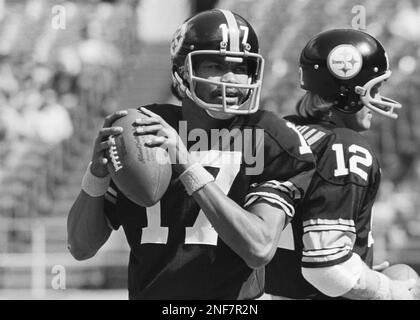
point(232, 96)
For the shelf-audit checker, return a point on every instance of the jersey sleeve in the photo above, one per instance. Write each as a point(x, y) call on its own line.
point(336, 208)
point(110, 206)
point(288, 169)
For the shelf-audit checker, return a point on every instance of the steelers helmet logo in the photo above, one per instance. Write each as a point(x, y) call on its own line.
point(345, 61)
point(178, 39)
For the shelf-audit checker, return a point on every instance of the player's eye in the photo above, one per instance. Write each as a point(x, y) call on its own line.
point(241, 68)
point(211, 65)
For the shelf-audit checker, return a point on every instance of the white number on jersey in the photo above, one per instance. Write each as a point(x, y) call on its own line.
point(364, 159)
point(202, 232)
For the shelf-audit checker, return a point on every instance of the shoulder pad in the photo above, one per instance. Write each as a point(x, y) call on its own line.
point(279, 132)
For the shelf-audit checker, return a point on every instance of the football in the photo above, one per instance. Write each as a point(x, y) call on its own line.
point(400, 272)
point(141, 173)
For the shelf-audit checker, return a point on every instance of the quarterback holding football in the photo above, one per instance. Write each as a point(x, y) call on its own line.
point(210, 233)
point(331, 254)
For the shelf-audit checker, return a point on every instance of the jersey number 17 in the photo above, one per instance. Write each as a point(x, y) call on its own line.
point(202, 232)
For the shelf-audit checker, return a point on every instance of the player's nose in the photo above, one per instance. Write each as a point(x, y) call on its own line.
point(229, 76)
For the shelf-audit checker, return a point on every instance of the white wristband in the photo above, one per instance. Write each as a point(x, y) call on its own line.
point(93, 185)
point(384, 290)
point(195, 177)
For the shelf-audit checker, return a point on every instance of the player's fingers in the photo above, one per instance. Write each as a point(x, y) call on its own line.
point(153, 115)
point(100, 160)
point(149, 113)
point(149, 129)
point(114, 116)
point(381, 266)
point(104, 145)
point(106, 132)
point(155, 141)
point(146, 121)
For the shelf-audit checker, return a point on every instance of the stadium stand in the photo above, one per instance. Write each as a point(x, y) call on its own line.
point(54, 98)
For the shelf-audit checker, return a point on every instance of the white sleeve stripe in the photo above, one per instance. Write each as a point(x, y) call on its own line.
point(283, 205)
point(276, 185)
point(111, 195)
point(348, 222)
point(322, 249)
point(272, 196)
point(292, 194)
point(328, 224)
point(285, 186)
point(324, 252)
point(266, 195)
point(329, 228)
point(327, 258)
point(293, 188)
point(280, 202)
point(250, 200)
point(328, 239)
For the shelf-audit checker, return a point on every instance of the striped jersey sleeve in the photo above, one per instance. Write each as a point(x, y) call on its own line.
point(287, 172)
point(336, 218)
point(327, 241)
point(280, 193)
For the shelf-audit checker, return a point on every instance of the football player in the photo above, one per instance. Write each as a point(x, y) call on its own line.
point(218, 223)
point(328, 251)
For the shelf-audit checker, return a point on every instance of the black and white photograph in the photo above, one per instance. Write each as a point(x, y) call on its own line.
point(228, 152)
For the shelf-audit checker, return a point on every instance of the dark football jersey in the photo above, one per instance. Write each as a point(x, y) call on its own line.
point(175, 251)
point(334, 218)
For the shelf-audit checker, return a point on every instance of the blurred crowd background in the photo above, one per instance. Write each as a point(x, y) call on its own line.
point(57, 84)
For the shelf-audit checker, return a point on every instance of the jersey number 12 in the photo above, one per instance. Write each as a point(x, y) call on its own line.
point(359, 155)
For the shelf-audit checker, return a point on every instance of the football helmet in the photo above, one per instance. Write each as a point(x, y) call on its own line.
point(219, 33)
point(343, 66)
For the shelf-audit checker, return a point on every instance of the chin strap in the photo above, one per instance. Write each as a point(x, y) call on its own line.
point(180, 87)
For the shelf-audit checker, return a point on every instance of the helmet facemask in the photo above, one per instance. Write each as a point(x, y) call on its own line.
point(253, 88)
point(380, 104)
point(217, 34)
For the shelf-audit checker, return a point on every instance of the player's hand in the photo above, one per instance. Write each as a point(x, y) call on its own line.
point(381, 266)
point(166, 137)
point(99, 161)
point(402, 290)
